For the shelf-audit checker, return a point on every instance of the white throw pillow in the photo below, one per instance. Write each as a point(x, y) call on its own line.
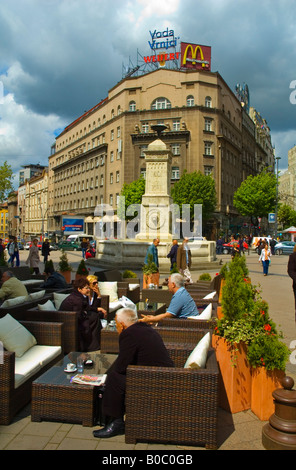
point(12, 302)
point(47, 306)
point(198, 357)
point(37, 295)
point(210, 296)
point(58, 299)
point(109, 288)
point(14, 336)
point(206, 314)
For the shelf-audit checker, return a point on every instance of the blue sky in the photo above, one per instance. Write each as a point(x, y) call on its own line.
point(59, 58)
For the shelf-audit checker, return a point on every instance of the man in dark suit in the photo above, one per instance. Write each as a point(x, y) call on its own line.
point(140, 345)
point(292, 272)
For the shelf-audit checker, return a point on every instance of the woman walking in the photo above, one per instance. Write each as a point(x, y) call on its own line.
point(265, 258)
point(33, 258)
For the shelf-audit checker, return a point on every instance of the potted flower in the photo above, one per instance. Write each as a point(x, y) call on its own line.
point(82, 270)
point(150, 273)
point(231, 336)
point(267, 356)
point(64, 267)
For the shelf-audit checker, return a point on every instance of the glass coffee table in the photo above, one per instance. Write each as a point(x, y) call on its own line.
point(56, 398)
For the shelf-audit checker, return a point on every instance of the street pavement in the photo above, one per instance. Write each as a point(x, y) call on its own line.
point(240, 431)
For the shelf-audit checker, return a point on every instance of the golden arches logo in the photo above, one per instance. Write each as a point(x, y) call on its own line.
point(194, 52)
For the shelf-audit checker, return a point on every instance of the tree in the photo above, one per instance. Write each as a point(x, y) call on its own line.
point(6, 176)
point(196, 188)
point(286, 216)
point(133, 193)
point(256, 196)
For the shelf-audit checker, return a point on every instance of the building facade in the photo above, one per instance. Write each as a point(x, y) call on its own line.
point(35, 206)
point(207, 130)
point(287, 181)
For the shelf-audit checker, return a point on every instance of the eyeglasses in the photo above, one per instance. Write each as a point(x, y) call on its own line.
point(94, 283)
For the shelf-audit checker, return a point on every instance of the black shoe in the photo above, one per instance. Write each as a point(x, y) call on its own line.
point(115, 428)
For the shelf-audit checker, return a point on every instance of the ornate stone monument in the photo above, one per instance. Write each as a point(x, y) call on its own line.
point(155, 216)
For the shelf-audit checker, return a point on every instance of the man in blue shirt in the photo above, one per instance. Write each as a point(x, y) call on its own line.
point(182, 304)
point(152, 250)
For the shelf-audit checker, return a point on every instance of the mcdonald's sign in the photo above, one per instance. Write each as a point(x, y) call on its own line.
point(194, 56)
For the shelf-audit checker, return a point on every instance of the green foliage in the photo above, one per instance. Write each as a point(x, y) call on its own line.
point(129, 274)
point(286, 216)
point(48, 265)
point(6, 175)
point(64, 263)
point(256, 195)
point(267, 351)
point(174, 269)
point(82, 269)
point(205, 277)
point(150, 267)
point(237, 294)
point(132, 193)
point(246, 319)
point(3, 261)
point(195, 188)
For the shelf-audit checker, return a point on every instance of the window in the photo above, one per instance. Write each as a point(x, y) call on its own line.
point(176, 149)
point(111, 156)
point(118, 131)
point(145, 127)
point(176, 124)
point(190, 100)
point(143, 148)
point(117, 176)
point(143, 172)
point(102, 180)
point(208, 170)
point(161, 103)
point(111, 178)
point(112, 135)
point(132, 106)
point(111, 199)
point(208, 124)
point(208, 102)
point(208, 148)
point(175, 173)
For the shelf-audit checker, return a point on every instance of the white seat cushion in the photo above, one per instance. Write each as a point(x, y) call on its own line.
point(33, 361)
point(210, 296)
point(15, 301)
point(14, 336)
point(114, 306)
point(109, 288)
point(36, 295)
point(206, 314)
point(47, 306)
point(133, 286)
point(58, 299)
point(198, 357)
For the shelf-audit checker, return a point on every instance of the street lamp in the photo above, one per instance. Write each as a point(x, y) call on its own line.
point(277, 195)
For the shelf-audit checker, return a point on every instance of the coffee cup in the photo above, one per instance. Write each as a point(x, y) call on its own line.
point(70, 367)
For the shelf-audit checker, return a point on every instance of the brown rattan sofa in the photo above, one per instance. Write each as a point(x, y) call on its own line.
point(173, 405)
point(14, 399)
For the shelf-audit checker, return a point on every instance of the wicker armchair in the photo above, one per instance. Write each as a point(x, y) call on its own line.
point(173, 405)
point(14, 399)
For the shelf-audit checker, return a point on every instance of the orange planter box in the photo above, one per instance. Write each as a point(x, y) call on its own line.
point(264, 382)
point(235, 375)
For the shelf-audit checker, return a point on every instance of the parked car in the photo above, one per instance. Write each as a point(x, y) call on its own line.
point(227, 247)
point(27, 245)
point(20, 246)
point(284, 248)
point(69, 246)
point(54, 247)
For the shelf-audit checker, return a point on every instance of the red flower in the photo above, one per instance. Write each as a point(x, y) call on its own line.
point(267, 327)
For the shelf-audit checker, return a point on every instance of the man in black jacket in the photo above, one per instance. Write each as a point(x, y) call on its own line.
point(54, 280)
point(139, 344)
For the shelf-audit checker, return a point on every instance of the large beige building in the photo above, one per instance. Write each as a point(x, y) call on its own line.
point(287, 181)
point(207, 130)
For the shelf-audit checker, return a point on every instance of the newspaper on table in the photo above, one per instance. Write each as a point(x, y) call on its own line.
point(89, 379)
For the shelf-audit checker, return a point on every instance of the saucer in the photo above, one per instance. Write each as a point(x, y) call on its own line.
point(70, 371)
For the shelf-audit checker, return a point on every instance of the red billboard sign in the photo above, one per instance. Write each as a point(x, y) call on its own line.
point(195, 56)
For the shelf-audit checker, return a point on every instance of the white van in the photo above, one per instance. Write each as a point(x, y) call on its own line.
point(78, 237)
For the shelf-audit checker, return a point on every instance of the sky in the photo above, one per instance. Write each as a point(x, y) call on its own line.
point(59, 58)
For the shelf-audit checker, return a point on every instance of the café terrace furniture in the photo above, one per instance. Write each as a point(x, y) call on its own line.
point(173, 405)
point(22, 273)
point(18, 373)
point(56, 398)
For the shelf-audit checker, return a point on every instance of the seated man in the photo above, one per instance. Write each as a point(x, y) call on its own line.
point(11, 287)
point(140, 345)
point(182, 304)
point(89, 318)
point(54, 280)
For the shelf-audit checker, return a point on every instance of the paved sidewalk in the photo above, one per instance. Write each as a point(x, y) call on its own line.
point(240, 431)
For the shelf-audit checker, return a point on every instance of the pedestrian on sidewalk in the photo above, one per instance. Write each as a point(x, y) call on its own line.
point(292, 273)
point(265, 258)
